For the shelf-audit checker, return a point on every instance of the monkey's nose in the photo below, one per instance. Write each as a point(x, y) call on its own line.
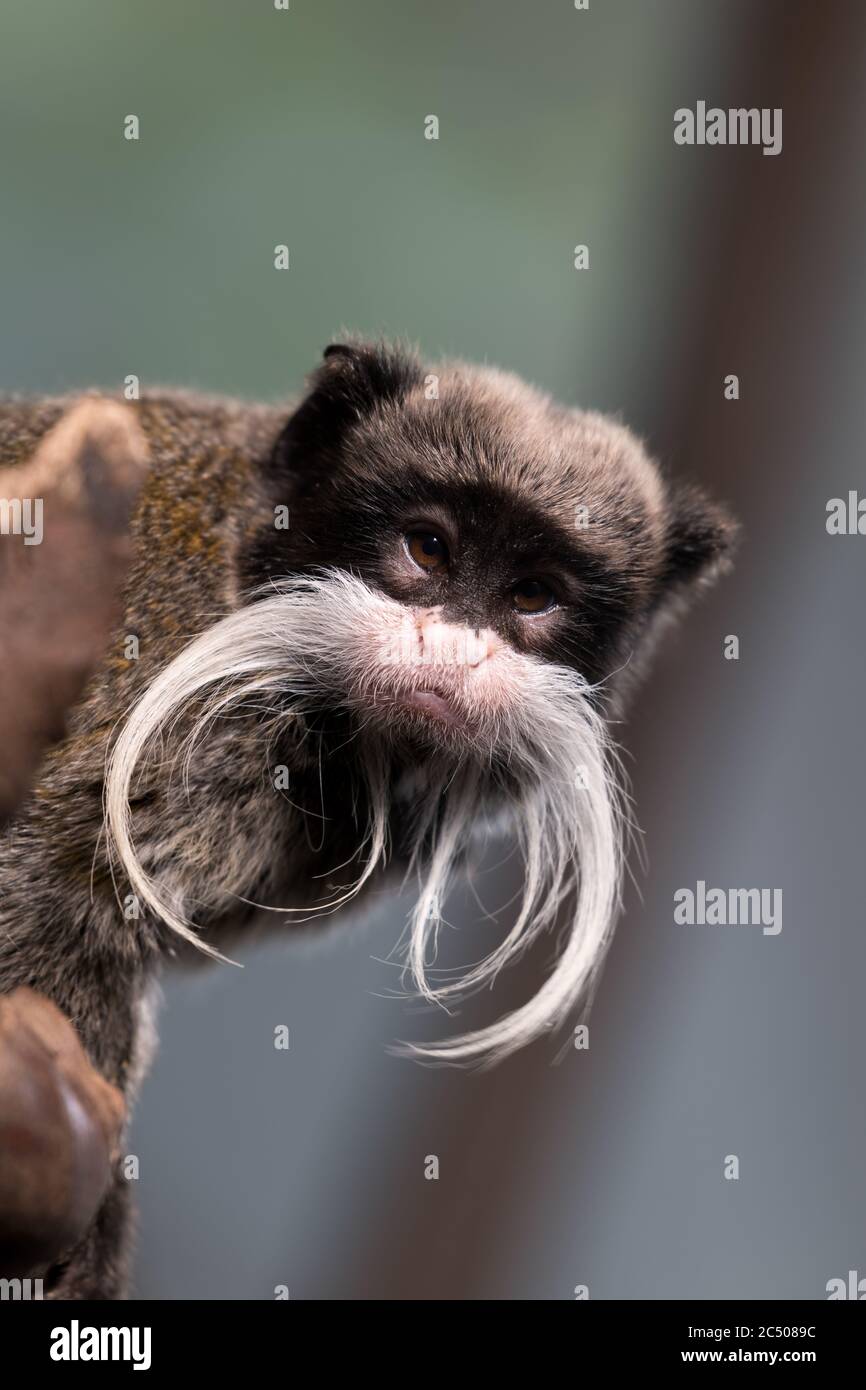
point(449, 644)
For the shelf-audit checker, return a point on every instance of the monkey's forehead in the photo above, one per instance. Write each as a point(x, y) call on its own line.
point(481, 425)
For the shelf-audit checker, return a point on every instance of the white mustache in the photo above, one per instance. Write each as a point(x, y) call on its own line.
point(545, 751)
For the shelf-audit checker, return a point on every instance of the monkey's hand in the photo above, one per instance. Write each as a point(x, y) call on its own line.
point(60, 1125)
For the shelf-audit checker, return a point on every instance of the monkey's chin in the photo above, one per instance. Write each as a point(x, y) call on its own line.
point(433, 707)
point(423, 719)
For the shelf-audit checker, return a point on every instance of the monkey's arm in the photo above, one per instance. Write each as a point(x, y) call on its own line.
point(71, 926)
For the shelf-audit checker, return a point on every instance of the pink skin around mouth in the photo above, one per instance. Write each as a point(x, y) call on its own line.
point(436, 706)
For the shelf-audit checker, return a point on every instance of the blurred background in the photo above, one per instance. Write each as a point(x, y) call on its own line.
point(306, 1168)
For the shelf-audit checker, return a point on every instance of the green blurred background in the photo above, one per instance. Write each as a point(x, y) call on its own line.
point(306, 127)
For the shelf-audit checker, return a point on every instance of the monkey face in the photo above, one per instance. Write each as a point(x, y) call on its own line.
point(505, 531)
point(468, 572)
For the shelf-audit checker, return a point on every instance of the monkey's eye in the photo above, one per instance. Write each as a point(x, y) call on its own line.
point(426, 549)
point(532, 596)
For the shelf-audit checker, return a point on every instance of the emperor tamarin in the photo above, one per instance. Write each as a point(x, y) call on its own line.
point(352, 632)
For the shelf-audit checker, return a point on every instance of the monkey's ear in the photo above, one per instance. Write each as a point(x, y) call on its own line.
point(701, 537)
point(340, 350)
point(352, 380)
